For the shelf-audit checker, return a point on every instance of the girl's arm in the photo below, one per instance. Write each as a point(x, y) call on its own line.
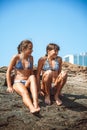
point(8, 74)
point(60, 64)
point(31, 60)
point(39, 68)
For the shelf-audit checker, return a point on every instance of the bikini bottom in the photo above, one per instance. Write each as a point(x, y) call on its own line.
point(20, 81)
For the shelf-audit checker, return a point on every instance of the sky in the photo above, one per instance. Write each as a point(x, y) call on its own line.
point(63, 22)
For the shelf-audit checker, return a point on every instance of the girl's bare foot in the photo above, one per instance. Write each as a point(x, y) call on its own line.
point(34, 110)
point(36, 106)
point(47, 100)
point(58, 101)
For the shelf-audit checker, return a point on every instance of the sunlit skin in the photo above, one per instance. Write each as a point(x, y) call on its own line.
point(57, 77)
point(24, 74)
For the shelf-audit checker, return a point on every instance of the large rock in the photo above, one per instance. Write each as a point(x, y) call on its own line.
point(72, 115)
point(3, 75)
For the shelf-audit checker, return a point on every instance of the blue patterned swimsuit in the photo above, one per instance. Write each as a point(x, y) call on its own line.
point(47, 65)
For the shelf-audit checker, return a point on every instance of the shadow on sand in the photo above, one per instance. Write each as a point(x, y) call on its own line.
point(69, 102)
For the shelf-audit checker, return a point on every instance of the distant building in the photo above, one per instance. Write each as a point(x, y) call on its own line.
point(80, 59)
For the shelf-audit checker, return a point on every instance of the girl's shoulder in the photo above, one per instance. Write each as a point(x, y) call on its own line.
point(16, 57)
point(42, 59)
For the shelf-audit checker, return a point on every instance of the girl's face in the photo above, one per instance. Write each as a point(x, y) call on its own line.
point(29, 49)
point(52, 53)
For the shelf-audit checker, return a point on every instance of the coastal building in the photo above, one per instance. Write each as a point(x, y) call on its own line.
point(79, 59)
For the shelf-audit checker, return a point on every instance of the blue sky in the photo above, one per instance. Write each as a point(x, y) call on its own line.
point(42, 21)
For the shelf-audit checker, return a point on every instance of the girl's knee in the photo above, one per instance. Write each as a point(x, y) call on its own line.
point(32, 77)
point(47, 75)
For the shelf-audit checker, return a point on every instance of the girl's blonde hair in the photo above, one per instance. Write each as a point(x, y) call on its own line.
point(23, 45)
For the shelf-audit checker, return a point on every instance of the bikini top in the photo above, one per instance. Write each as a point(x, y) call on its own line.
point(19, 65)
point(47, 65)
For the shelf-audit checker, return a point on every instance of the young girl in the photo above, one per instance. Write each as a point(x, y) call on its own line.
point(22, 63)
point(52, 78)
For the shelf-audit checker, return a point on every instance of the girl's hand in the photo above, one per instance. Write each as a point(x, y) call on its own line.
point(10, 89)
point(52, 54)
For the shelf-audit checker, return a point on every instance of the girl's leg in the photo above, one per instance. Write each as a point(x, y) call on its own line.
point(33, 89)
point(22, 91)
point(56, 97)
point(46, 80)
point(42, 89)
point(61, 80)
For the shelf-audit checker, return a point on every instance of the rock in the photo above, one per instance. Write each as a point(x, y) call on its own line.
point(71, 115)
point(3, 75)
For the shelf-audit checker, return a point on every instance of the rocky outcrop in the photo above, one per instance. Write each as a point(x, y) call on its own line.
point(70, 68)
point(71, 115)
point(3, 75)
